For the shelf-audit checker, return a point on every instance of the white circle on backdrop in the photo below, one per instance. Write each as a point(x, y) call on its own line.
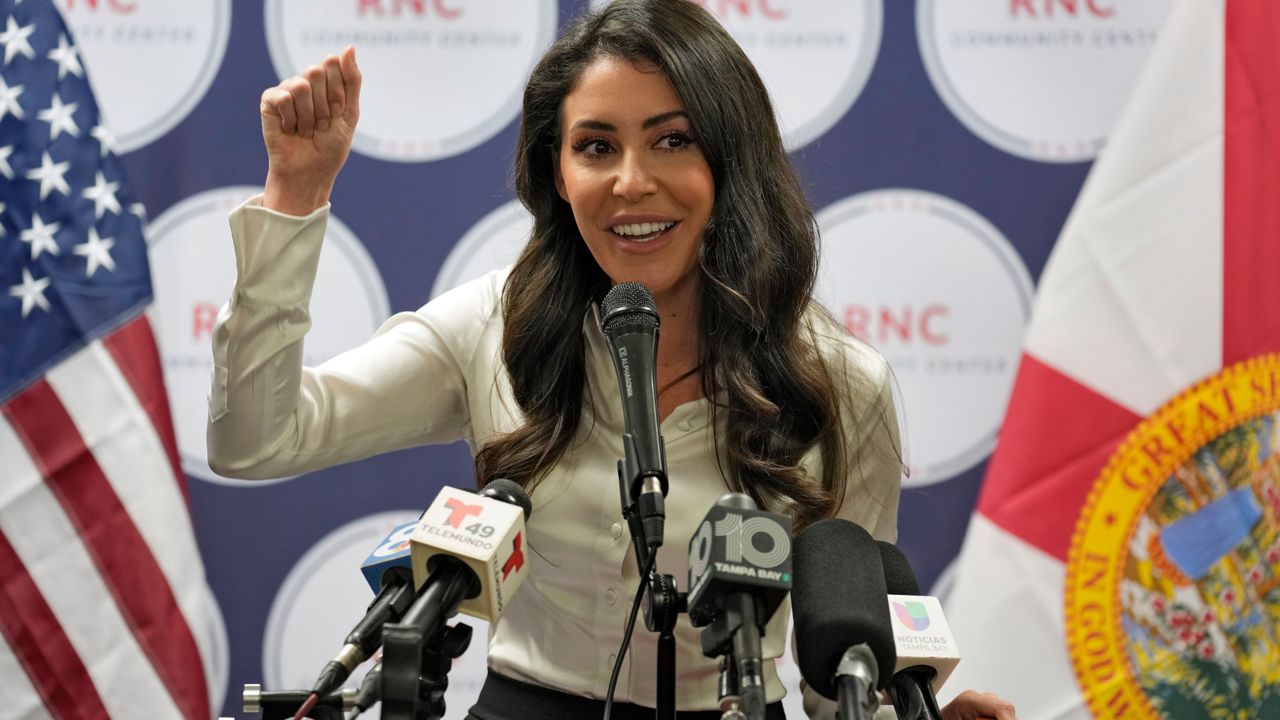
point(789, 676)
point(323, 597)
point(212, 639)
point(149, 62)
point(814, 56)
point(193, 270)
point(494, 242)
point(1044, 80)
point(440, 76)
point(943, 295)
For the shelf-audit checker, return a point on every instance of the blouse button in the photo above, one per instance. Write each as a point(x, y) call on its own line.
point(616, 531)
point(610, 596)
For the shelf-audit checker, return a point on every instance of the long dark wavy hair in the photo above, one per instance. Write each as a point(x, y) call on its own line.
point(773, 395)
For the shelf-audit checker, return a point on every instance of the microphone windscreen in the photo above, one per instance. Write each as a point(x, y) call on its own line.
point(628, 304)
point(838, 600)
point(508, 491)
point(899, 578)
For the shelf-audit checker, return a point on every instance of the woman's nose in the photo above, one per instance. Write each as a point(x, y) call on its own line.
point(635, 179)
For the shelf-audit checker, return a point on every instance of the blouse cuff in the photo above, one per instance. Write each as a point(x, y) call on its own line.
point(276, 254)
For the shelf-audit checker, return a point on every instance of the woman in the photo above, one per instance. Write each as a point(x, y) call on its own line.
point(648, 152)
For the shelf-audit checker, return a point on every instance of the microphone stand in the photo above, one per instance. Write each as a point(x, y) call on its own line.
point(284, 704)
point(418, 651)
point(718, 641)
point(664, 602)
point(730, 689)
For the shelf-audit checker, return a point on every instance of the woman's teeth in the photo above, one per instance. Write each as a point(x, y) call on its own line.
point(642, 232)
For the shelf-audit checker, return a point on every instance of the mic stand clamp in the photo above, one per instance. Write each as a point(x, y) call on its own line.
point(284, 704)
point(856, 677)
point(415, 670)
point(663, 602)
point(730, 692)
point(717, 641)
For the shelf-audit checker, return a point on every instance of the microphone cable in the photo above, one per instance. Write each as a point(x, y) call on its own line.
point(626, 635)
point(307, 706)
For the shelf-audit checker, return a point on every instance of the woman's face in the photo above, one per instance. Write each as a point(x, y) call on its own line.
point(630, 168)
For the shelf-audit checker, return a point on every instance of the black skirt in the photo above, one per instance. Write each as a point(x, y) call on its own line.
point(502, 698)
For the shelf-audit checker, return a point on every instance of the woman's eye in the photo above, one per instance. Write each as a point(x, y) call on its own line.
point(676, 141)
point(592, 146)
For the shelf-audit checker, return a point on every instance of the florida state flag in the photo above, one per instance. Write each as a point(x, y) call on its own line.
point(1124, 561)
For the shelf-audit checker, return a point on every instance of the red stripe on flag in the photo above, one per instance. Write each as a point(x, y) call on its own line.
point(1055, 440)
point(1251, 181)
point(134, 349)
point(128, 569)
point(39, 643)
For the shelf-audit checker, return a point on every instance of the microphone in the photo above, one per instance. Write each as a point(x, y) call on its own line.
point(468, 556)
point(927, 653)
point(390, 556)
point(473, 545)
point(739, 573)
point(388, 573)
point(630, 322)
point(844, 638)
point(399, 588)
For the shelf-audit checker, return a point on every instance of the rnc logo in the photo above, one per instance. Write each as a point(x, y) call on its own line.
point(467, 62)
point(1040, 79)
point(912, 614)
point(791, 42)
point(937, 290)
point(151, 62)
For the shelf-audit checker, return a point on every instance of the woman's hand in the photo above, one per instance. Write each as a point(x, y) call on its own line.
point(971, 705)
point(307, 125)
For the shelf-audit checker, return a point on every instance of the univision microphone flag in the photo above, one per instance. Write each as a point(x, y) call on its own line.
point(103, 600)
point(1124, 557)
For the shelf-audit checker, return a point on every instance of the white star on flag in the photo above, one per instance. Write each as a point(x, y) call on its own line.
point(2, 207)
point(15, 41)
point(40, 236)
point(31, 291)
point(58, 115)
point(5, 169)
point(66, 57)
point(9, 100)
point(97, 251)
point(103, 195)
point(50, 175)
point(106, 141)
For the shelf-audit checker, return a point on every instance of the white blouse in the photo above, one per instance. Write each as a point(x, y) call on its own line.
point(435, 376)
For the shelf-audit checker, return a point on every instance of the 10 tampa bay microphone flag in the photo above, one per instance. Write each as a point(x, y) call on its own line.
point(1124, 561)
point(102, 592)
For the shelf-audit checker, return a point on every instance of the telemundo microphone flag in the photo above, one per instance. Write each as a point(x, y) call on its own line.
point(1124, 559)
point(102, 591)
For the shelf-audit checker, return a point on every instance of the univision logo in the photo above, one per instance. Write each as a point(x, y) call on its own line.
point(912, 614)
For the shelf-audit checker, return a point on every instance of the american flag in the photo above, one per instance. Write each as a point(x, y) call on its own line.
point(102, 591)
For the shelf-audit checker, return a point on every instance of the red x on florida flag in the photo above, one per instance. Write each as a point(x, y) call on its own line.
point(1124, 560)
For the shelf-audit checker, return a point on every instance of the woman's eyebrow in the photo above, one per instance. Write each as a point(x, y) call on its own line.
point(589, 124)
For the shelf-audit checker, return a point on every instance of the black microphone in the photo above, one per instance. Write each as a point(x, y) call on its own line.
point(844, 637)
point(924, 663)
point(629, 318)
point(739, 573)
point(395, 597)
point(399, 599)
